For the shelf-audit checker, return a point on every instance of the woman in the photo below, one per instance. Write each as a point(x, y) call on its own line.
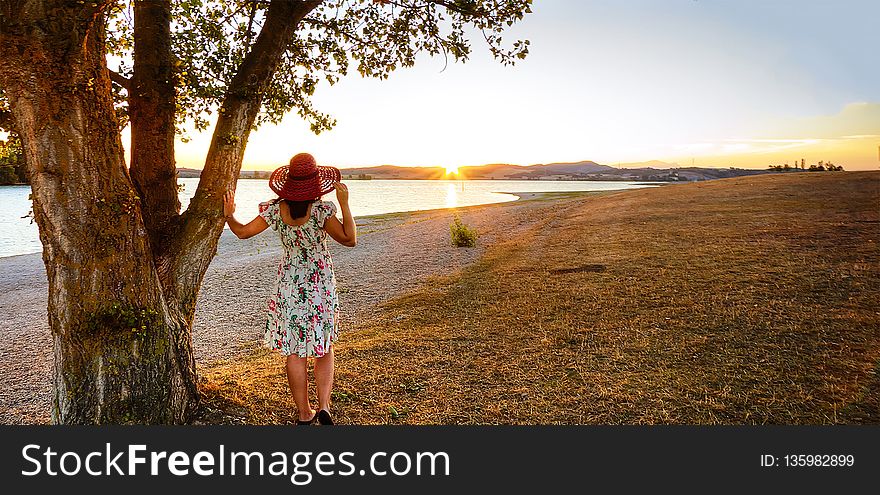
point(302, 319)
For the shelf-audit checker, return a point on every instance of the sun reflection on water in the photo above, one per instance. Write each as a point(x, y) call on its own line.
point(451, 196)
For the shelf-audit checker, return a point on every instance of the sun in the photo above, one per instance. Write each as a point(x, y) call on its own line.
point(451, 170)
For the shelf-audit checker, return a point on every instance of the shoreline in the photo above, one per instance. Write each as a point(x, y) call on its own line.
point(396, 254)
point(369, 219)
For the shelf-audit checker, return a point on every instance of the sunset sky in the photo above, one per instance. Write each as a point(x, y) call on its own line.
point(717, 83)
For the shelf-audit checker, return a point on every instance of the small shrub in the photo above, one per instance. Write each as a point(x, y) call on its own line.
point(462, 235)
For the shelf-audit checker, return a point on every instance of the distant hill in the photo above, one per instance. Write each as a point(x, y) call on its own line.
point(586, 170)
point(538, 171)
point(657, 164)
point(395, 172)
point(188, 173)
point(191, 173)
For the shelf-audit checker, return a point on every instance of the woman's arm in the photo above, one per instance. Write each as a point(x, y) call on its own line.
point(243, 231)
point(344, 233)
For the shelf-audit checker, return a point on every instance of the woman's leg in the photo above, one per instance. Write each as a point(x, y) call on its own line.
point(324, 379)
point(298, 378)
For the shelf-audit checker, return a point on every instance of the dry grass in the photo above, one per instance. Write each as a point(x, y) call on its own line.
point(746, 300)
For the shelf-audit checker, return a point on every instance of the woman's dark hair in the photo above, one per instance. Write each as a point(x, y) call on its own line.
point(298, 209)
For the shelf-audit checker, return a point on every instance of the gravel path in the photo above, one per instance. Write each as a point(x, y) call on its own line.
point(395, 254)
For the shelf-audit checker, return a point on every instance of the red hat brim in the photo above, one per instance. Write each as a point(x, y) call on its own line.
point(305, 188)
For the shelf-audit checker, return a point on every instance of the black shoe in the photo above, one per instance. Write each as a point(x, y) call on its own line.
point(307, 422)
point(324, 417)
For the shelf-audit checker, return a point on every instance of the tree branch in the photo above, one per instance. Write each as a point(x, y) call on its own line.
point(121, 80)
point(195, 243)
point(244, 98)
point(152, 111)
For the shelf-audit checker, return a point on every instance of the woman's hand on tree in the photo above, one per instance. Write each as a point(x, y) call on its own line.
point(228, 204)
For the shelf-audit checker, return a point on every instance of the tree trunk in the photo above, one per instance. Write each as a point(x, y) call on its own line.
point(152, 107)
point(122, 355)
point(124, 268)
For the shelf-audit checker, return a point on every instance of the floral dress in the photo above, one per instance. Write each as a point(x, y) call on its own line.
point(302, 313)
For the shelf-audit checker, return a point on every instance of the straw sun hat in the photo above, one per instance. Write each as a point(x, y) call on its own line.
point(303, 179)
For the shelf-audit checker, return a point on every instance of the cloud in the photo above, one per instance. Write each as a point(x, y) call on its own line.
point(862, 136)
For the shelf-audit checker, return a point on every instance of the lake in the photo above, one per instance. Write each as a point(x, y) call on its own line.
point(18, 235)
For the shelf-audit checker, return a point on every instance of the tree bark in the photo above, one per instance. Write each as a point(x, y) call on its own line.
point(152, 107)
point(122, 355)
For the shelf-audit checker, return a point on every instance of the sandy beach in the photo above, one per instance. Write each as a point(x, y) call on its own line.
point(396, 253)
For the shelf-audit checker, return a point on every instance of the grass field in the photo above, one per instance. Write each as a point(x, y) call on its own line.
point(739, 301)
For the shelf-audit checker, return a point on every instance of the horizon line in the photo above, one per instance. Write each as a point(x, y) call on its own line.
point(620, 165)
